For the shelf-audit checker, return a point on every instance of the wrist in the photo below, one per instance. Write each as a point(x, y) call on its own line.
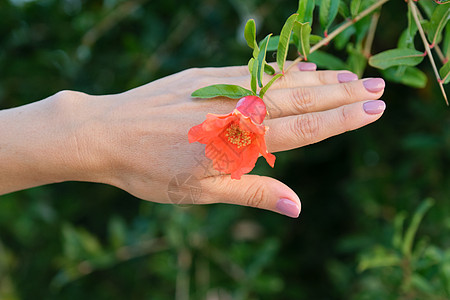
point(82, 137)
point(47, 142)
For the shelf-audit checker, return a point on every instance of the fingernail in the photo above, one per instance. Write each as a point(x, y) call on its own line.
point(374, 85)
point(347, 77)
point(307, 66)
point(374, 107)
point(288, 208)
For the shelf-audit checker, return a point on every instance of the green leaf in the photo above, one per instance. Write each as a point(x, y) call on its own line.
point(305, 11)
point(445, 73)
point(395, 57)
point(414, 225)
point(343, 10)
point(285, 37)
point(428, 7)
point(267, 86)
point(250, 65)
point(355, 7)
point(380, 257)
point(314, 39)
point(397, 239)
point(406, 39)
point(409, 76)
point(446, 43)
point(273, 43)
point(303, 32)
point(356, 61)
point(268, 69)
point(326, 61)
point(222, 90)
point(250, 33)
point(261, 60)
point(328, 12)
point(254, 74)
point(422, 284)
point(440, 17)
point(362, 27)
point(412, 30)
point(343, 38)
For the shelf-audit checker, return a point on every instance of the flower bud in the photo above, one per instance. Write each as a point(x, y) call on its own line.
point(253, 107)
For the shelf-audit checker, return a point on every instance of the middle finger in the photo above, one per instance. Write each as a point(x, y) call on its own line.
point(300, 100)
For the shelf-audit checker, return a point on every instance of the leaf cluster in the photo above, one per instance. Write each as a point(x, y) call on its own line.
point(360, 22)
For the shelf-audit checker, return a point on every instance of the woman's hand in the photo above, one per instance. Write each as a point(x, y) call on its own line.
point(137, 140)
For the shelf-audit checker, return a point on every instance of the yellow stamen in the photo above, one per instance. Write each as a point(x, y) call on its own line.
point(238, 136)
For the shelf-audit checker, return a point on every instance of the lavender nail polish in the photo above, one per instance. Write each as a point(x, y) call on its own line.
point(307, 66)
point(347, 77)
point(288, 208)
point(374, 107)
point(374, 85)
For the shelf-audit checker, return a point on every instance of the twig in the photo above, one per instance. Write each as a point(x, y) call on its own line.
point(184, 27)
point(427, 48)
point(440, 54)
point(371, 35)
point(122, 11)
point(436, 46)
point(338, 30)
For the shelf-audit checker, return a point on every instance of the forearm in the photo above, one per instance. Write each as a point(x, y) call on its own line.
point(38, 144)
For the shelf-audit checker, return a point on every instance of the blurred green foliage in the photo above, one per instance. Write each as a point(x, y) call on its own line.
point(363, 192)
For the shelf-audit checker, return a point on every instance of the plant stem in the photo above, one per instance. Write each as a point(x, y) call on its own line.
point(440, 54)
point(113, 18)
point(371, 35)
point(436, 46)
point(338, 30)
point(427, 48)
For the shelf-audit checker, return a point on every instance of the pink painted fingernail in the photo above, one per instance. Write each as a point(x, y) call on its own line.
point(288, 208)
point(374, 107)
point(347, 77)
point(307, 66)
point(374, 85)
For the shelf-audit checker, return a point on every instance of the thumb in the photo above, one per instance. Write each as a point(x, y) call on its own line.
point(251, 190)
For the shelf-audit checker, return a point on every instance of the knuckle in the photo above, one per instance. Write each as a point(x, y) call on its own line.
point(307, 127)
point(348, 90)
point(345, 117)
point(323, 77)
point(256, 195)
point(187, 73)
point(63, 101)
point(66, 95)
point(201, 81)
point(273, 109)
point(195, 71)
point(284, 81)
point(303, 99)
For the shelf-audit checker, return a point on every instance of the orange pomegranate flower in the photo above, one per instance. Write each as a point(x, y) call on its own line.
point(234, 141)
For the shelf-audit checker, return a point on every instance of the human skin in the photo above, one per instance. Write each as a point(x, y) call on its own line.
point(137, 140)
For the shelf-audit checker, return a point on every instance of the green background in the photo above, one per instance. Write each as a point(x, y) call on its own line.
point(91, 241)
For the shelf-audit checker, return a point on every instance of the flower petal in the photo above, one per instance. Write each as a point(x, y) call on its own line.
point(234, 141)
point(248, 160)
point(210, 128)
point(215, 122)
point(270, 158)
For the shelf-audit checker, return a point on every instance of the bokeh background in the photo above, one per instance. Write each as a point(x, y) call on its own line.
point(359, 235)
